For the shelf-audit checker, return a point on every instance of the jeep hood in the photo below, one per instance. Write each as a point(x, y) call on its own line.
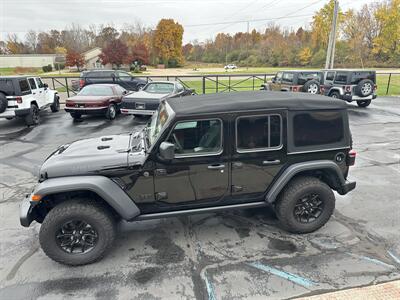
point(93, 156)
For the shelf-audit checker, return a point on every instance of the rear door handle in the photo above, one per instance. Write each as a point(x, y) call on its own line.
point(271, 162)
point(216, 167)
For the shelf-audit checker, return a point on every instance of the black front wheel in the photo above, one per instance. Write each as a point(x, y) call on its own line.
point(77, 232)
point(111, 112)
point(305, 205)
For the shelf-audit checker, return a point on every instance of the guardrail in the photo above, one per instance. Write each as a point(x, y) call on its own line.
point(388, 83)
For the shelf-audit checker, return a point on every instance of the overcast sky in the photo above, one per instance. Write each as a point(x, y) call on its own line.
point(19, 16)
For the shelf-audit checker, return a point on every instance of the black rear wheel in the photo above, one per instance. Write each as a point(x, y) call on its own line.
point(77, 232)
point(75, 116)
point(305, 205)
point(55, 107)
point(33, 118)
point(363, 103)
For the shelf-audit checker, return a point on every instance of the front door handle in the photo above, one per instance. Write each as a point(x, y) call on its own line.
point(216, 167)
point(271, 162)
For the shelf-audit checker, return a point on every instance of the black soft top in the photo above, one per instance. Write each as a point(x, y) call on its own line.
point(253, 100)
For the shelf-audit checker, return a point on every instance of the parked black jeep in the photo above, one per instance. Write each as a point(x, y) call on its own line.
point(350, 85)
point(122, 78)
point(199, 154)
point(295, 81)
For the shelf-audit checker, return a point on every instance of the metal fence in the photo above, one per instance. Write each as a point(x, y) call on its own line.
point(388, 83)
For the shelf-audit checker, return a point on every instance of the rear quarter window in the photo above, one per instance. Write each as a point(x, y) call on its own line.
point(24, 86)
point(341, 77)
point(315, 130)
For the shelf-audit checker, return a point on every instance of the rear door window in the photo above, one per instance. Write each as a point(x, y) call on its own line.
point(341, 77)
point(32, 83)
point(287, 77)
point(258, 133)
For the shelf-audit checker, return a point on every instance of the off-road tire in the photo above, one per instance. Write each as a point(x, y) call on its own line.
point(363, 103)
point(364, 88)
point(55, 107)
point(335, 94)
point(311, 87)
point(3, 102)
point(88, 211)
point(33, 118)
point(111, 112)
point(297, 189)
point(75, 116)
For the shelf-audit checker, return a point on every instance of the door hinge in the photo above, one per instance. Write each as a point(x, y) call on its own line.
point(160, 172)
point(161, 196)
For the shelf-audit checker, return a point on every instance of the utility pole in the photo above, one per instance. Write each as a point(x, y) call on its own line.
point(330, 53)
point(247, 41)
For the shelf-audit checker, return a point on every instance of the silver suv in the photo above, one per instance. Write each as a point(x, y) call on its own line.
point(350, 85)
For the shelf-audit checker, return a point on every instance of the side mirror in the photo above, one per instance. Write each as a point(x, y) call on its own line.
point(273, 80)
point(167, 151)
point(46, 86)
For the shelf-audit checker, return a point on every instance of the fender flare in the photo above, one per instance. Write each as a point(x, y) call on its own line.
point(103, 186)
point(295, 169)
point(337, 89)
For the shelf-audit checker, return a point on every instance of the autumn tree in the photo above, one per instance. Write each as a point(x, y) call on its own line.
point(167, 42)
point(321, 25)
point(305, 56)
point(387, 43)
point(115, 53)
point(140, 53)
point(74, 58)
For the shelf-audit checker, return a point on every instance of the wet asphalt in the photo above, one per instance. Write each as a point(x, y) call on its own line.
point(227, 255)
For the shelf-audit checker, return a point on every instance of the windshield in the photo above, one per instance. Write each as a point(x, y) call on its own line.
point(159, 88)
point(96, 90)
point(157, 123)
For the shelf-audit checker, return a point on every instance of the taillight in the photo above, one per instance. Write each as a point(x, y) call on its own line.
point(69, 103)
point(81, 83)
point(18, 99)
point(347, 88)
point(294, 88)
point(375, 87)
point(351, 157)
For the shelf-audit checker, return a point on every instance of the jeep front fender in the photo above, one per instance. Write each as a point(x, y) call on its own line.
point(320, 165)
point(103, 186)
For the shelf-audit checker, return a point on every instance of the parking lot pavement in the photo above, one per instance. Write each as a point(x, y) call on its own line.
point(227, 255)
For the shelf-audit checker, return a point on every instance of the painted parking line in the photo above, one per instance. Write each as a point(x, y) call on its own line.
point(395, 258)
point(372, 260)
point(210, 289)
point(304, 282)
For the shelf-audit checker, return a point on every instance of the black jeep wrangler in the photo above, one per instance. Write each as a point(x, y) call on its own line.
point(199, 154)
point(295, 81)
point(350, 85)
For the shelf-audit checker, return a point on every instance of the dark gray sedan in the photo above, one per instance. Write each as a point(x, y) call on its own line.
point(146, 101)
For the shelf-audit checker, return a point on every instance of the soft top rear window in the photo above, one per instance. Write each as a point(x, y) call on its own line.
point(356, 77)
point(7, 86)
point(318, 130)
point(98, 74)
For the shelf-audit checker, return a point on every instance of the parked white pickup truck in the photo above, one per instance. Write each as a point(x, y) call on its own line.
point(25, 97)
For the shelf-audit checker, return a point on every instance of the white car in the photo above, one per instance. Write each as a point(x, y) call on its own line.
point(25, 97)
point(230, 67)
